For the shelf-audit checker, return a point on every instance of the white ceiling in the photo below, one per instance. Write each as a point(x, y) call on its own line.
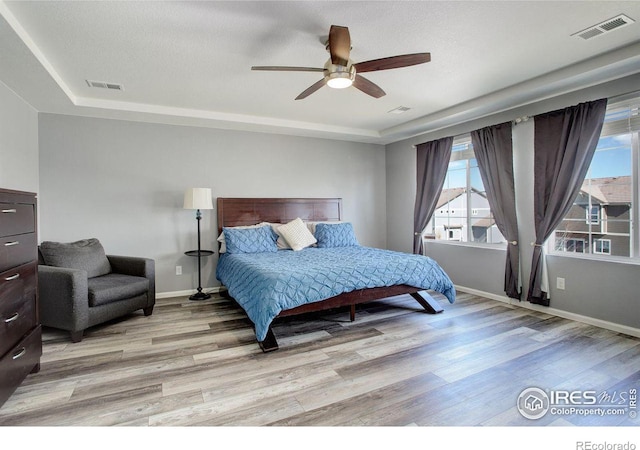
point(190, 62)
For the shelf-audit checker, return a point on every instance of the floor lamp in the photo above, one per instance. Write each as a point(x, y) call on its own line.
point(198, 198)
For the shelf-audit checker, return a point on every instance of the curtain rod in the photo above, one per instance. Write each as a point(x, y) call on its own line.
point(612, 100)
point(519, 120)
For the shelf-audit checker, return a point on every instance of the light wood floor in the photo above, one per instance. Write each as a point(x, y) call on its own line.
point(197, 363)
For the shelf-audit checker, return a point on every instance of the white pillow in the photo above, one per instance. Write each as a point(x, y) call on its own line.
point(281, 242)
point(223, 244)
point(297, 234)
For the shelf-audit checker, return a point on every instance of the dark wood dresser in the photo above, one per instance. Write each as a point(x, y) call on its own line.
point(20, 332)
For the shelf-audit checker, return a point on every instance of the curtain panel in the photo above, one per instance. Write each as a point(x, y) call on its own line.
point(432, 163)
point(493, 150)
point(564, 143)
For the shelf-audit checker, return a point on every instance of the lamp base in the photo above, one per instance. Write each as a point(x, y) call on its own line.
point(200, 296)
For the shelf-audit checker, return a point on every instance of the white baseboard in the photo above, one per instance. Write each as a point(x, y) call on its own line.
point(618, 328)
point(210, 290)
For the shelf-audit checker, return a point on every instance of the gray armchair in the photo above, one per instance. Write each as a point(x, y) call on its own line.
point(79, 286)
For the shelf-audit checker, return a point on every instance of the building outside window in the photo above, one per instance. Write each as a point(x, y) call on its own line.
point(572, 245)
point(593, 215)
point(602, 246)
point(601, 220)
point(462, 213)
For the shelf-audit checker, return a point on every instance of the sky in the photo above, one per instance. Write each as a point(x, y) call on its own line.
point(611, 159)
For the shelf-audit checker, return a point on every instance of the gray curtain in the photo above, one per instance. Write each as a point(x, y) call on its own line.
point(433, 161)
point(493, 149)
point(564, 143)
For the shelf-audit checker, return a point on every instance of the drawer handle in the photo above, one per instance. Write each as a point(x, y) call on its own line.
point(9, 211)
point(12, 277)
point(12, 318)
point(20, 353)
point(11, 244)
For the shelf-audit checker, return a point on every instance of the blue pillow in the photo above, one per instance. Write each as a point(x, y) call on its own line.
point(335, 235)
point(250, 240)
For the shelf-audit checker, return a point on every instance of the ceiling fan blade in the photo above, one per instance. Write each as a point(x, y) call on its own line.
point(311, 89)
point(393, 62)
point(288, 69)
point(368, 87)
point(339, 45)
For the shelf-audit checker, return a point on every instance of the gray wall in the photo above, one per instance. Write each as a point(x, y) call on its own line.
point(601, 290)
point(18, 143)
point(123, 182)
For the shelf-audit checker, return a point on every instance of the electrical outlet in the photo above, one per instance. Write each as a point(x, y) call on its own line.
point(560, 283)
point(178, 270)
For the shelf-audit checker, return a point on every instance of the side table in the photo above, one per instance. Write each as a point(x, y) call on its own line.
point(199, 254)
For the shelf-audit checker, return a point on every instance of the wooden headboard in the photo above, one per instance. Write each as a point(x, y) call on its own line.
point(234, 212)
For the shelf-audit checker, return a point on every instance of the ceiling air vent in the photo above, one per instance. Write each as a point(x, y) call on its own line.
point(399, 110)
point(103, 85)
point(604, 27)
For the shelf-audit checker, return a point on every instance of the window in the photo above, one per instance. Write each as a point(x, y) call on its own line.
point(573, 245)
point(593, 215)
point(454, 235)
point(601, 220)
point(462, 212)
point(602, 246)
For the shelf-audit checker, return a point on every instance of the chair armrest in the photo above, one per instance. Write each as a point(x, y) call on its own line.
point(136, 266)
point(131, 265)
point(62, 295)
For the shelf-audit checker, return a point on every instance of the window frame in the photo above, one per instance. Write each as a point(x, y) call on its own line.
point(447, 212)
point(589, 215)
point(595, 242)
point(629, 125)
point(576, 241)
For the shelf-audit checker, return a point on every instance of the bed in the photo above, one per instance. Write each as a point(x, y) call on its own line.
point(335, 271)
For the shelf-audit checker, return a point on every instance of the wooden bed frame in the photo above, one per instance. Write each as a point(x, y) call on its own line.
point(250, 211)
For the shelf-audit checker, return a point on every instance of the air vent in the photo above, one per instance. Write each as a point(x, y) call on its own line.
point(103, 85)
point(605, 27)
point(399, 110)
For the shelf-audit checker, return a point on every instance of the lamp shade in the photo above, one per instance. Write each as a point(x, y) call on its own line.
point(198, 198)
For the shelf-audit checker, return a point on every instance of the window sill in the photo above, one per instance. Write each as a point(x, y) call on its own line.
point(597, 258)
point(501, 247)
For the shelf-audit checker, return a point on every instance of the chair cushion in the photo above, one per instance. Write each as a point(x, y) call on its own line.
point(86, 254)
point(114, 287)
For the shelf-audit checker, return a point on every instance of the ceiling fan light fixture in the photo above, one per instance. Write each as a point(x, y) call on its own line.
point(339, 77)
point(339, 80)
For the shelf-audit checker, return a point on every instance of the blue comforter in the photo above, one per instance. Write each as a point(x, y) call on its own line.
point(266, 283)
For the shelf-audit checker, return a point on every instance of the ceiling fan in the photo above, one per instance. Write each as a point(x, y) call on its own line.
point(340, 72)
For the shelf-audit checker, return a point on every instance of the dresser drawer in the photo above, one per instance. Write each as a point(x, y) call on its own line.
point(17, 218)
point(17, 250)
point(19, 362)
point(17, 305)
point(18, 282)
